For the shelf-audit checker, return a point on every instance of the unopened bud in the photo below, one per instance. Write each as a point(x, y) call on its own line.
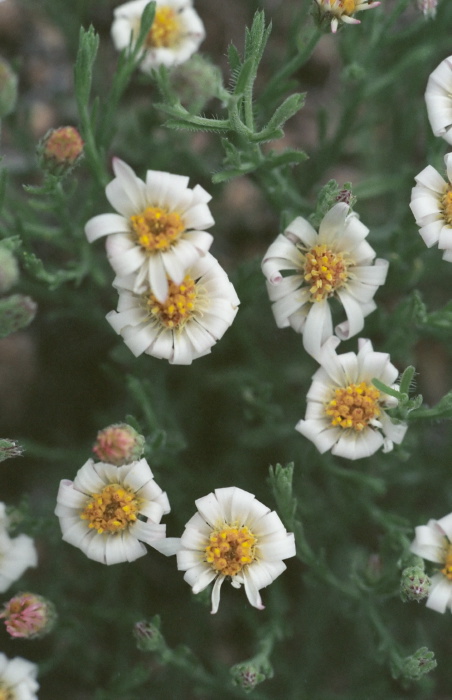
point(8, 88)
point(195, 82)
point(16, 311)
point(248, 674)
point(9, 270)
point(119, 444)
point(418, 664)
point(147, 635)
point(414, 584)
point(28, 616)
point(60, 150)
point(9, 448)
point(428, 8)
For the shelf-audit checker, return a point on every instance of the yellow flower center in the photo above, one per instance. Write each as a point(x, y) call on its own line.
point(156, 229)
point(179, 305)
point(325, 271)
point(354, 406)
point(348, 6)
point(166, 29)
point(447, 569)
point(230, 549)
point(111, 510)
point(446, 205)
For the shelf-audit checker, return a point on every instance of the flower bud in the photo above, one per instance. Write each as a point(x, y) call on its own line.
point(414, 584)
point(195, 82)
point(16, 311)
point(60, 150)
point(9, 270)
point(119, 444)
point(28, 616)
point(428, 8)
point(9, 448)
point(8, 88)
point(248, 675)
point(418, 664)
point(147, 635)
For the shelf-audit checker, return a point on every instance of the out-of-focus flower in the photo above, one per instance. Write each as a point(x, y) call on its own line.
point(345, 412)
point(434, 543)
point(196, 313)
point(195, 82)
point(17, 554)
point(428, 7)
point(28, 616)
point(233, 536)
point(431, 204)
point(8, 88)
point(335, 262)
point(60, 150)
point(343, 11)
point(176, 33)
point(158, 232)
point(108, 511)
point(18, 679)
point(438, 98)
point(16, 312)
point(119, 444)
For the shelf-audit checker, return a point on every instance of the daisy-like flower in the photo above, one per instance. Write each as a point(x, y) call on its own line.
point(196, 313)
point(158, 232)
point(17, 554)
point(233, 536)
point(108, 511)
point(431, 204)
point(343, 11)
point(18, 679)
point(176, 33)
point(434, 543)
point(438, 98)
point(335, 262)
point(345, 412)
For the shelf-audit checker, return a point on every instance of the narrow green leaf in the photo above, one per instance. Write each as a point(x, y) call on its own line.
point(234, 59)
point(285, 111)
point(243, 77)
point(287, 157)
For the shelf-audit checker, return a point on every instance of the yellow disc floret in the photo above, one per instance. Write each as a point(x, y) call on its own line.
point(179, 305)
point(166, 29)
point(354, 406)
point(230, 549)
point(447, 570)
point(156, 229)
point(111, 510)
point(348, 6)
point(446, 205)
point(324, 271)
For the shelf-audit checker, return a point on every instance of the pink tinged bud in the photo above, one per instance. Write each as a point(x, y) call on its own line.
point(119, 444)
point(60, 150)
point(28, 616)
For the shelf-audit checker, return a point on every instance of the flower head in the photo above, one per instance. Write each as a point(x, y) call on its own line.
point(345, 411)
point(17, 554)
point(18, 679)
point(196, 313)
point(343, 11)
point(335, 262)
point(60, 150)
point(158, 231)
point(233, 536)
point(175, 34)
point(28, 616)
point(438, 98)
point(431, 204)
point(434, 543)
point(119, 444)
point(108, 511)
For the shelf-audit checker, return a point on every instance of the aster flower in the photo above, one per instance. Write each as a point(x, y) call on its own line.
point(28, 616)
point(17, 554)
point(233, 536)
point(108, 511)
point(438, 98)
point(18, 679)
point(342, 11)
point(176, 33)
point(431, 204)
point(345, 412)
point(434, 543)
point(196, 314)
point(335, 262)
point(158, 231)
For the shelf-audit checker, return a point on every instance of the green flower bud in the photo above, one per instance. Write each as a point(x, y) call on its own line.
point(9, 448)
point(8, 89)
point(414, 584)
point(147, 634)
point(9, 270)
point(246, 676)
point(418, 664)
point(119, 444)
point(16, 311)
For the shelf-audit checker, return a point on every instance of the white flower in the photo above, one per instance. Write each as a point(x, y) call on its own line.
point(343, 10)
point(158, 231)
point(438, 98)
point(434, 543)
point(233, 535)
point(176, 33)
point(16, 553)
point(196, 314)
point(345, 412)
point(108, 512)
point(431, 204)
point(18, 679)
point(335, 262)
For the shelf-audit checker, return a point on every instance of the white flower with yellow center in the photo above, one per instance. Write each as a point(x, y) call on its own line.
point(196, 313)
point(18, 679)
point(108, 511)
point(345, 412)
point(17, 554)
point(438, 98)
point(431, 204)
point(434, 543)
point(158, 232)
point(335, 262)
point(233, 536)
point(343, 10)
point(176, 33)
